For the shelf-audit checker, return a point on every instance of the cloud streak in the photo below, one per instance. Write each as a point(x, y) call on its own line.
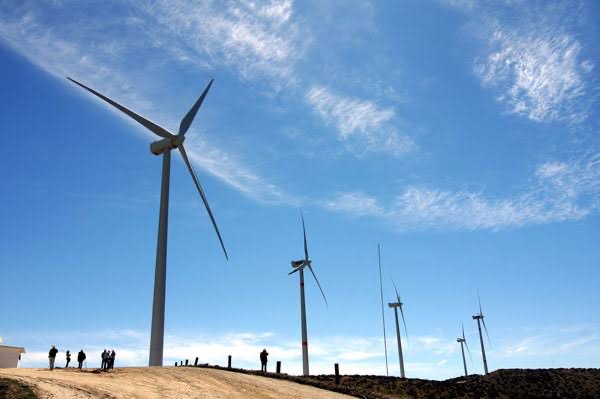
point(560, 191)
point(361, 124)
point(536, 66)
point(257, 40)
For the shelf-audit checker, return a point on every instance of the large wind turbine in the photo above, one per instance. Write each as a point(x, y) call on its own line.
point(480, 320)
point(396, 305)
point(169, 142)
point(463, 341)
point(299, 265)
point(387, 372)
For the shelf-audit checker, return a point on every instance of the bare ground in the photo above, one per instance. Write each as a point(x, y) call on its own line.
point(160, 382)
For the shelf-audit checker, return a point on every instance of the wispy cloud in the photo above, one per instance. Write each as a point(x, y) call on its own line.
point(536, 65)
point(559, 191)
point(464, 5)
point(361, 124)
point(550, 342)
point(256, 39)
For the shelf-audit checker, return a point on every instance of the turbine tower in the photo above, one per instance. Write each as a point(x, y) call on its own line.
point(480, 320)
point(396, 305)
point(298, 266)
point(463, 344)
point(164, 147)
point(387, 372)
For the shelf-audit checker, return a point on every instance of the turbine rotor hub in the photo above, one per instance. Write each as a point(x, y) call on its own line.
point(158, 147)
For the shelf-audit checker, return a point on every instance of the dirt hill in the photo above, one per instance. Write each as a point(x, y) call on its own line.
point(163, 382)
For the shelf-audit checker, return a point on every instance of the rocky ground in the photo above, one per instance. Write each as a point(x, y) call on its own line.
point(508, 383)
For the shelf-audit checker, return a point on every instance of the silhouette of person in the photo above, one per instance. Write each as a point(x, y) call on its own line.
point(104, 360)
point(52, 356)
point(68, 359)
point(113, 354)
point(81, 358)
point(263, 360)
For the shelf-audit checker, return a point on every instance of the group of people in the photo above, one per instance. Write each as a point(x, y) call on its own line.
point(108, 358)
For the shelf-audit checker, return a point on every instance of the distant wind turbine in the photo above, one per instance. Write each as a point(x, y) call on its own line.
point(299, 265)
point(169, 142)
point(463, 341)
point(387, 372)
point(480, 320)
point(396, 305)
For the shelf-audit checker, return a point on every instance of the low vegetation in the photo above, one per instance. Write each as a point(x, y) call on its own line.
point(13, 389)
point(503, 384)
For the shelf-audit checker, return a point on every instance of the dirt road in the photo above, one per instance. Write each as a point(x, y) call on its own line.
point(161, 382)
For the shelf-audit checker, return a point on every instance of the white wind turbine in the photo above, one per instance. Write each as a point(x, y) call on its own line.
point(396, 305)
point(480, 320)
point(169, 142)
point(299, 265)
point(387, 371)
point(463, 341)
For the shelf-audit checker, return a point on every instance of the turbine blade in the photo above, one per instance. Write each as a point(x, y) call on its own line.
point(187, 120)
point(479, 299)
point(317, 280)
point(304, 232)
point(153, 127)
point(404, 322)
point(382, 312)
point(468, 351)
point(486, 331)
point(463, 331)
point(295, 270)
point(203, 196)
point(395, 289)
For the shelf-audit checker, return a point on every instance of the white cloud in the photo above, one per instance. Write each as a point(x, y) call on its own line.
point(1, 340)
point(361, 124)
point(354, 203)
point(257, 40)
point(537, 68)
point(463, 5)
point(559, 191)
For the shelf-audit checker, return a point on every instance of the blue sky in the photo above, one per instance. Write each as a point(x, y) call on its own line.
point(461, 135)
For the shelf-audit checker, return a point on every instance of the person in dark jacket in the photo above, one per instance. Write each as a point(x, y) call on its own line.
point(263, 360)
point(105, 356)
point(52, 356)
point(68, 359)
point(81, 358)
point(112, 356)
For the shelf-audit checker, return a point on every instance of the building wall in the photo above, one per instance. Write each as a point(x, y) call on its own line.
point(9, 358)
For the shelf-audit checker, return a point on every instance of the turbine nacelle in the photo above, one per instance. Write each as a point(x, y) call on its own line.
point(461, 340)
point(158, 147)
point(395, 305)
point(478, 317)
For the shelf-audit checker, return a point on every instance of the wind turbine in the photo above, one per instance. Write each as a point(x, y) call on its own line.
point(463, 341)
point(299, 265)
point(396, 305)
point(168, 143)
point(480, 320)
point(387, 372)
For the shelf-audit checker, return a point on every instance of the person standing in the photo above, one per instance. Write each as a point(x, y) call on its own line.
point(52, 356)
point(113, 354)
point(104, 359)
point(81, 358)
point(263, 360)
point(68, 359)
